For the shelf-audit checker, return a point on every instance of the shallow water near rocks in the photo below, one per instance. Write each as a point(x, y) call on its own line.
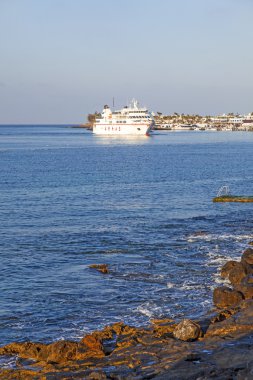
point(142, 205)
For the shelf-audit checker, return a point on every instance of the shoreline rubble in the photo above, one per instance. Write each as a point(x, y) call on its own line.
point(219, 346)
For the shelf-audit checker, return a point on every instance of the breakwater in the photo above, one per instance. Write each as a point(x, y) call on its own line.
point(233, 198)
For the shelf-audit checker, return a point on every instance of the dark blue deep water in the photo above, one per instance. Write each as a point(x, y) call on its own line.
point(141, 205)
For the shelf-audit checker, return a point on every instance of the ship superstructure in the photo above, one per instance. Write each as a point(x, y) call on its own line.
point(130, 120)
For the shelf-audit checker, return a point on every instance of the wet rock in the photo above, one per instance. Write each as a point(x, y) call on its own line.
point(244, 318)
point(246, 287)
point(57, 352)
point(247, 256)
point(163, 329)
point(187, 330)
point(223, 315)
point(161, 321)
point(224, 297)
point(24, 350)
point(103, 268)
point(92, 343)
point(96, 375)
point(226, 269)
point(200, 233)
point(246, 303)
point(7, 374)
point(250, 243)
point(240, 322)
point(237, 273)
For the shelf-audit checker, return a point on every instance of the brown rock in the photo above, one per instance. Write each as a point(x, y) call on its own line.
point(57, 352)
point(24, 350)
point(250, 243)
point(226, 269)
point(60, 351)
point(92, 343)
point(103, 268)
point(161, 321)
point(96, 376)
point(246, 287)
point(225, 297)
point(164, 330)
point(247, 256)
point(187, 330)
point(237, 273)
point(223, 315)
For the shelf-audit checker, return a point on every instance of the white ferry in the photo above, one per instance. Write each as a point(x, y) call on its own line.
point(130, 120)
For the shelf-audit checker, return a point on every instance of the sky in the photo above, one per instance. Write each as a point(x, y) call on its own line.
point(63, 59)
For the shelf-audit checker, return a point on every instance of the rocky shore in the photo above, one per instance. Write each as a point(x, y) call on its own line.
point(231, 198)
point(219, 346)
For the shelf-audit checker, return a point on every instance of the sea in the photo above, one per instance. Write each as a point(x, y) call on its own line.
point(142, 205)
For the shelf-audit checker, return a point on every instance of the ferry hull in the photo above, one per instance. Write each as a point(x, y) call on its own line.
point(116, 129)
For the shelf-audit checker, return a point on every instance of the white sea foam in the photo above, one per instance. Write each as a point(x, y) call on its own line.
point(189, 285)
point(206, 303)
point(149, 309)
point(8, 362)
point(218, 280)
point(221, 237)
point(170, 285)
point(218, 259)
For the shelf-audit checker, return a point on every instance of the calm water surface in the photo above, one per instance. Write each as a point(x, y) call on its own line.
point(142, 205)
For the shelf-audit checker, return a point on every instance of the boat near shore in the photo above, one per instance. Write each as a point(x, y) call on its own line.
point(130, 120)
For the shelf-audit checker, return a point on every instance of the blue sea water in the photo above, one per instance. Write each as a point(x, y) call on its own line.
point(142, 205)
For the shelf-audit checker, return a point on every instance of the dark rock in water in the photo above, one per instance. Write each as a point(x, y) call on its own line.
point(226, 269)
point(225, 297)
point(247, 256)
point(187, 330)
point(237, 273)
point(250, 243)
point(246, 287)
point(103, 268)
point(199, 233)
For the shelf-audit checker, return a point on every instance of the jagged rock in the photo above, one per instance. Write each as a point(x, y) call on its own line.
point(57, 352)
point(240, 322)
point(164, 330)
point(103, 268)
point(247, 256)
point(237, 273)
point(187, 330)
point(223, 315)
point(92, 343)
point(224, 297)
point(246, 287)
point(24, 350)
point(226, 269)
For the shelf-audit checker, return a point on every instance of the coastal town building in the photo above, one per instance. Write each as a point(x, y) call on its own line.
point(224, 122)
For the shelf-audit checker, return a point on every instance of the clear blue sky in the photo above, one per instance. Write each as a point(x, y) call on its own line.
point(61, 59)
